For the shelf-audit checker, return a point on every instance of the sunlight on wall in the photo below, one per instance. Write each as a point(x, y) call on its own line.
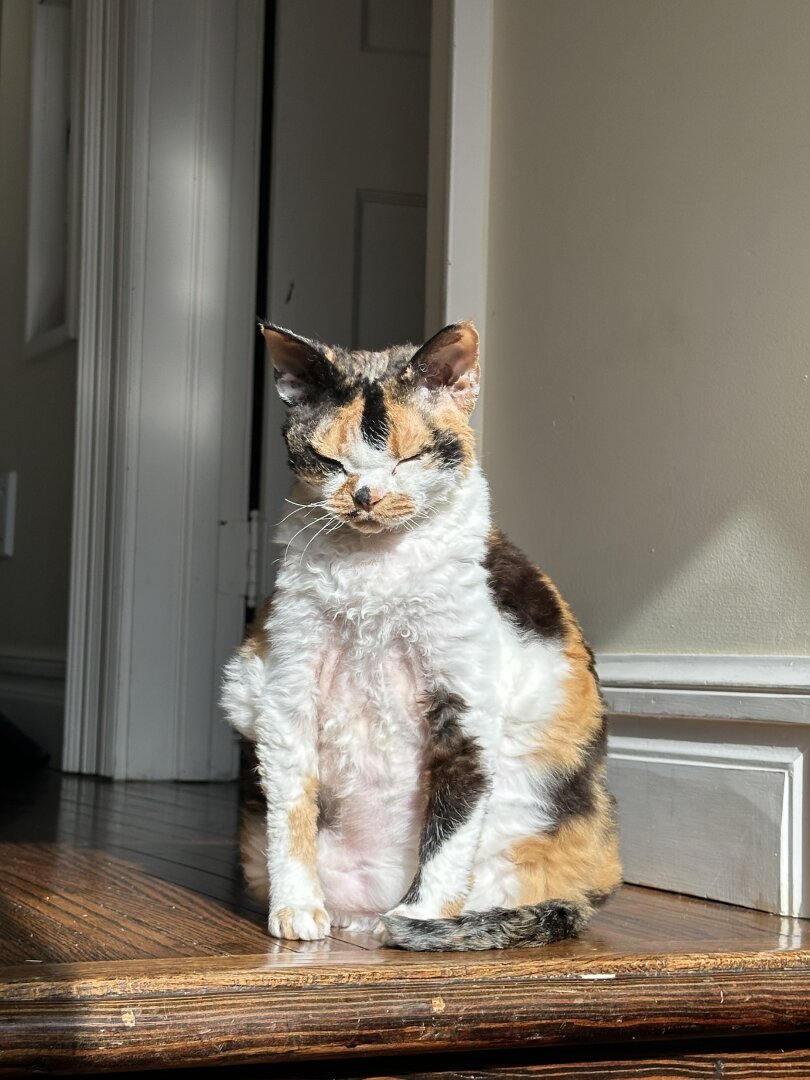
point(648, 352)
point(749, 572)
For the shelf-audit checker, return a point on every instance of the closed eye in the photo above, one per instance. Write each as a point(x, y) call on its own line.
point(413, 457)
point(330, 463)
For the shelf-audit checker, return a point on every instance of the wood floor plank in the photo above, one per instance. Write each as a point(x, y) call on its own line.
point(61, 904)
point(283, 1012)
point(51, 793)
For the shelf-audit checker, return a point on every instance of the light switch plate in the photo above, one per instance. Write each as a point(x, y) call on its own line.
point(8, 505)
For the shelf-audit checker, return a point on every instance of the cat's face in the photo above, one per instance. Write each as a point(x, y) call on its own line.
point(382, 438)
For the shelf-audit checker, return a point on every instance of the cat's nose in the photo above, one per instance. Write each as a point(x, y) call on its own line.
point(365, 498)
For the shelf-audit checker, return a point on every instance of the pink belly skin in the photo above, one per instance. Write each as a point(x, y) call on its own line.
point(371, 724)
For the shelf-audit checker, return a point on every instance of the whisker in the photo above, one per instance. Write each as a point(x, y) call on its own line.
point(292, 502)
point(315, 537)
point(309, 525)
point(297, 510)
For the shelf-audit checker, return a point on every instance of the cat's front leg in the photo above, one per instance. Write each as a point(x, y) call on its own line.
point(288, 772)
point(286, 751)
point(461, 731)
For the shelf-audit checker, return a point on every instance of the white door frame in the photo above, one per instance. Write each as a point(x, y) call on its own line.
point(166, 325)
point(97, 50)
point(462, 34)
point(113, 44)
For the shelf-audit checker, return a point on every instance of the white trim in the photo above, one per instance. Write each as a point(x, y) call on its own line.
point(757, 688)
point(462, 33)
point(97, 50)
point(651, 861)
point(165, 272)
point(134, 59)
point(786, 674)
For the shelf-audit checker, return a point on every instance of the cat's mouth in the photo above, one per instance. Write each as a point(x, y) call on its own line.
point(390, 513)
point(367, 522)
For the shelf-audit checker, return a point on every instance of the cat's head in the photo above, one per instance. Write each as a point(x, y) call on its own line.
point(384, 437)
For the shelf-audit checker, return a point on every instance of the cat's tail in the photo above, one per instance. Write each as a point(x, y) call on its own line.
point(498, 928)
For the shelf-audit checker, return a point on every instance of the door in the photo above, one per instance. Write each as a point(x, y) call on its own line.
point(346, 248)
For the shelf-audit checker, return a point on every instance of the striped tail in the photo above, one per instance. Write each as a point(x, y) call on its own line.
point(498, 928)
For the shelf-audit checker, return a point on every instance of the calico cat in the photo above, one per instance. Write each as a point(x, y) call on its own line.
point(426, 718)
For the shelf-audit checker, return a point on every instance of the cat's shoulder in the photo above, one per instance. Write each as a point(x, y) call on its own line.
point(523, 593)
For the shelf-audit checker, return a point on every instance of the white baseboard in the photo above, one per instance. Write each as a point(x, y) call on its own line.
point(707, 759)
point(32, 696)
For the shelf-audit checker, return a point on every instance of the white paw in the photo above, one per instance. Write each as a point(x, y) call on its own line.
point(302, 924)
point(351, 920)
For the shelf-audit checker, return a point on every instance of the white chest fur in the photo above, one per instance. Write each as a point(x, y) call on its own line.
point(383, 612)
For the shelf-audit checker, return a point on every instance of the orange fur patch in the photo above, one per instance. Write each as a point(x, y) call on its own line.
point(452, 908)
point(455, 420)
point(564, 740)
point(302, 822)
point(582, 857)
point(342, 503)
point(344, 428)
point(393, 506)
point(408, 433)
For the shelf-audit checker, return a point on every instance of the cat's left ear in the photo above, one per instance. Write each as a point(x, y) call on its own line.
point(449, 362)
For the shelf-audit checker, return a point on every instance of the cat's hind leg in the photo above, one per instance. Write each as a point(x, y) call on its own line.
point(540, 869)
point(253, 853)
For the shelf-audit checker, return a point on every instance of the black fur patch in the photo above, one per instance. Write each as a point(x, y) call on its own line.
point(301, 458)
point(375, 424)
point(574, 793)
point(328, 809)
point(498, 928)
point(520, 591)
point(455, 776)
point(447, 448)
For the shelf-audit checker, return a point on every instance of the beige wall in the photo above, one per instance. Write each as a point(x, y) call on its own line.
point(647, 426)
point(37, 396)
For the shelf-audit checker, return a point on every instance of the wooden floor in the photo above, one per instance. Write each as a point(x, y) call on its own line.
point(126, 942)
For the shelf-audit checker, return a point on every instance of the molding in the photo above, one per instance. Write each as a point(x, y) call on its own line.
point(32, 678)
point(47, 669)
point(661, 835)
point(97, 50)
point(462, 34)
point(32, 692)
point(786, 674)
point(123, 434)
point(171, 103)
point(757, 688)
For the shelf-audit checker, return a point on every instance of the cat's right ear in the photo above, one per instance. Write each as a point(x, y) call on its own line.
point(300, 368)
